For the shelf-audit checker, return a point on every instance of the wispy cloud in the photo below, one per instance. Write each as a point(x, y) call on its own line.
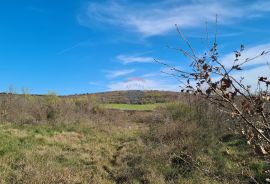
point(146, 81)
point(250, 77)
point(79, 44)
point(125, 59)
point(159, 18)
point(249, 52)
point(262, 6)
point(251, 70)
point(143, 84)
point(223, 35)
point(156, 81)
point(118, 73)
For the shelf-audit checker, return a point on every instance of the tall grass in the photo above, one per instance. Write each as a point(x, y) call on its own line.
point(191, 144)
point(53, 139)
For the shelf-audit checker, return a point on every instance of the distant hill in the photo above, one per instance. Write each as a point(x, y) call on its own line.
point(124, 97)
point(134, 96)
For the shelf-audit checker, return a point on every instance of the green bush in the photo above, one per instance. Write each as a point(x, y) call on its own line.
point(179, 111)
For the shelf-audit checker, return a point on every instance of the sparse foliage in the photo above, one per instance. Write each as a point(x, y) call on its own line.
point(209, 78)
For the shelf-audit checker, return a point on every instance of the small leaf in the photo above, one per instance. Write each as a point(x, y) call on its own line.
point(237, 67)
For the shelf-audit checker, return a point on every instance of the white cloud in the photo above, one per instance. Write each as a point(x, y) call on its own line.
point(251, 76)
point(151, 75)
point(118, 73)
point(251, 70)
point(134, 59)
point(159, 18)
point(262, 6)
point(143, 84)
point(251, 52)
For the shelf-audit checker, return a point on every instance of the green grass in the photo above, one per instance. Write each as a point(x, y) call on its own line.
point(107, 153)
point(74, 153)
point(135, 107)
point(124, 152)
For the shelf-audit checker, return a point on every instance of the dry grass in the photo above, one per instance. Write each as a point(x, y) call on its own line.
point(61, 154)
point(75, 140)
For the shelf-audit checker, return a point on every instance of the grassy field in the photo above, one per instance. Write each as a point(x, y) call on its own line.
point(137, 107)
point(107, 154)
point(174, 144)
point(77, 153)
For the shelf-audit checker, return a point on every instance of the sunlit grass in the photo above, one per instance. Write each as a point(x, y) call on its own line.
point(110, 151)
point(74, 153)
point(137, 107)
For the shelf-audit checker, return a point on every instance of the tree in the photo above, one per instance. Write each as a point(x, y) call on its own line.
point(210, 79)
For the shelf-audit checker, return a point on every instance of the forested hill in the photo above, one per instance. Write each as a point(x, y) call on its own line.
point(134, 96)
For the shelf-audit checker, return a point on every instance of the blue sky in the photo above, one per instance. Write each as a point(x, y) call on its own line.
point(81, 46)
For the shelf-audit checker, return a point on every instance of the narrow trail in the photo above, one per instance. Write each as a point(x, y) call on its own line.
point(122, 151)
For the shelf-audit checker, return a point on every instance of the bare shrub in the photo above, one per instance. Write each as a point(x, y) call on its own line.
point(209, 78)
point(31, 109)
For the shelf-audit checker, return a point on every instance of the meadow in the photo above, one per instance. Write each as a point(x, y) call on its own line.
point(89, 142)
point(77, 153)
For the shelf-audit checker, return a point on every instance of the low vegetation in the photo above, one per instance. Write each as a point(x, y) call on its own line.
point(134, 107)
point(85, 142)
point(74, 153)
